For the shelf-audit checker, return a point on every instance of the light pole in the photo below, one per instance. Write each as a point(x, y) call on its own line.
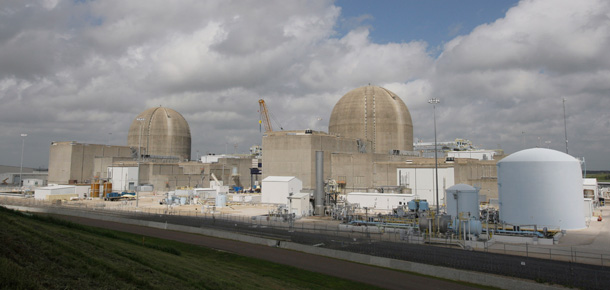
point(139, 155)
point(565, 124)
point(435, 101)
point(21, 167)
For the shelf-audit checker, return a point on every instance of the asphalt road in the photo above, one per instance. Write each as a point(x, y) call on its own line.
point(380, 277)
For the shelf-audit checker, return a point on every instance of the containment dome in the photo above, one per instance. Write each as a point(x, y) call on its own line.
point(375, 114)
point(463, 201)
point(541, 187)
point(161, 132)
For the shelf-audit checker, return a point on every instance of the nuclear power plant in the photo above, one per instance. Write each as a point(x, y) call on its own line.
point(367, 159)
point(365, 174)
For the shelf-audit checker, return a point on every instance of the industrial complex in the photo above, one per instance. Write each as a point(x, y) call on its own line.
point(366, 171)
point(367, 161)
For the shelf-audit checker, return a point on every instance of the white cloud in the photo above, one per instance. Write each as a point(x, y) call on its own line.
point(81, 70)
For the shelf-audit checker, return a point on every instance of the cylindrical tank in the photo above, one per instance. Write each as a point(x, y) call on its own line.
point(474, 226)
point(424, 223)
point(463, 198)
point(541, 187)
point(95, 189)
point(107, 188)
point(412, 205)
point(444, 221)
point(423, 205)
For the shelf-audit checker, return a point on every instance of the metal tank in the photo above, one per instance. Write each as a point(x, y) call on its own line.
point(412, 205)
point(423, 205)
point(463, 198)
point(541, 187)
point(95, 189)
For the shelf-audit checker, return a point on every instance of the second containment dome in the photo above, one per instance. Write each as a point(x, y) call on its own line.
point(375, 114)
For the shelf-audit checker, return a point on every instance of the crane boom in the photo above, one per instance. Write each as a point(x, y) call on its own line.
point(265, 116)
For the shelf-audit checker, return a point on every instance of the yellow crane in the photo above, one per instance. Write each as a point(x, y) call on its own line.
point(265, 117)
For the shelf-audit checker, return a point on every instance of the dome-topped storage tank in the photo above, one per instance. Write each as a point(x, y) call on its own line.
point(541, 187)
point(164, 132)
point(375, 114)
point(464, 199)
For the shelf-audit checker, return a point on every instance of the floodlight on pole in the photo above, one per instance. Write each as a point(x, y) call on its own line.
point(435, 101)
point(139, 155)
point(565, 124)
point(21, 167)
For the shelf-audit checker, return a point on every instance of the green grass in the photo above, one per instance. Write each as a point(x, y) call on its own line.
point(40, 252)
point(602, 176)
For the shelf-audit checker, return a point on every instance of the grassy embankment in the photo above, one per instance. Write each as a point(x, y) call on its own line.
point(40, 252)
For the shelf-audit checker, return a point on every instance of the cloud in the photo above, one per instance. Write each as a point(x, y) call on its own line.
point(511, 76)
point(82, 71)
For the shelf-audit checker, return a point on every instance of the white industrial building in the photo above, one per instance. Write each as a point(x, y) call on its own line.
point(379, 201)
point(55, 192)
point(422, 182)
point(276, 189)
point(473, 154)
point(123, 178)
point(590, 188)
point(299, 205)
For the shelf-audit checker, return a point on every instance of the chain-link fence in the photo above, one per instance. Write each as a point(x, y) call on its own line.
point(569, 267)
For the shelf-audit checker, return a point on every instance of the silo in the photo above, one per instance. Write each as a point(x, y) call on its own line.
point(541, 187)
point(463, 198)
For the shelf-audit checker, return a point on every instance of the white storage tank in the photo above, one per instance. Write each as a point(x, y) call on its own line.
point(463, 198)
point(541, 187)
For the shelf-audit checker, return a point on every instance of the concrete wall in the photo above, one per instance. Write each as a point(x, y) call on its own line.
point(478, 173)
point(293, 154)
point(75, 161)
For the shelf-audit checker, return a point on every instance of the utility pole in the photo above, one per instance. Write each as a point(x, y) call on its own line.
point(139, 155)
point(565, 124)
point(21, 168)
point(435, 101)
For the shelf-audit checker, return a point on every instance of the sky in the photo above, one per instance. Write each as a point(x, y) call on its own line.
point(502, 70)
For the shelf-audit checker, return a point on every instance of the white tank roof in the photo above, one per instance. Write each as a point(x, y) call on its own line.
point(461, 187)
point(538, 154)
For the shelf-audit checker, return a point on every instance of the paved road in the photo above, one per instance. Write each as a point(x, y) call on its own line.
point(381, 277)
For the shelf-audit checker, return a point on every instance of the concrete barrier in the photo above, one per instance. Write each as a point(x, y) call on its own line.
point(424, 269)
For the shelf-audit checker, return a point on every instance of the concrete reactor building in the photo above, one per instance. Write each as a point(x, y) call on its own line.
point(369, 148)
point(158, 154)
point(161, 132)
point(373, 114)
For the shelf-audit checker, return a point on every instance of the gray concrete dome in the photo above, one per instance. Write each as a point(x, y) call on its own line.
point(375, 114)
point(164, 133)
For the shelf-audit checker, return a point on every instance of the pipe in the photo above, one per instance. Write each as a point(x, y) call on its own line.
point(319, 192)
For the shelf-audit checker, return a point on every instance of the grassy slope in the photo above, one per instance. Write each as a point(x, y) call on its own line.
point(602, 176)
point(45, 253)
